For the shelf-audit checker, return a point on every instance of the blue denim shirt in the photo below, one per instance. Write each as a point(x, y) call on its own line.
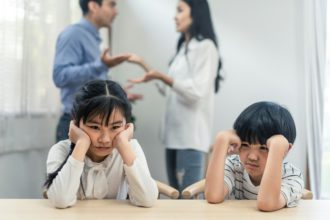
point(77, 60)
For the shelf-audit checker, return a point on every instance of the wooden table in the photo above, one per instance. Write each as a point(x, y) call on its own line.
point(25, 209)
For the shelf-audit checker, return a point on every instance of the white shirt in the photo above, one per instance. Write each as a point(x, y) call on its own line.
point(240, 185)
point(190, 102)
point(109, 179)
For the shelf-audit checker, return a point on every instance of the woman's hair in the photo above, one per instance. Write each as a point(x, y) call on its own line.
point(84, 5)
point(201, 28)
point(96, 98)
point(261, 120)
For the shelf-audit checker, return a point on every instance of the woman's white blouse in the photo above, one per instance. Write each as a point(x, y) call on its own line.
point(109, 179)
point(190, 102)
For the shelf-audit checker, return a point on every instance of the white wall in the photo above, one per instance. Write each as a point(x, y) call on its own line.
point(261, 47)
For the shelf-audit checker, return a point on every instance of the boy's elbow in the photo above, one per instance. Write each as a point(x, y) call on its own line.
point(213, 198)
point(267, 206)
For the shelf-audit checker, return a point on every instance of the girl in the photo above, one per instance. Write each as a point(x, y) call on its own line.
point(264, 134)
point(192, 80)
point(100, 160)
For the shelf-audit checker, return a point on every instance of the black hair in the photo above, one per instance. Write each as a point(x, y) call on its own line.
point(200, 29)
point(96, 98)
point(261, 120)
point(84, 5)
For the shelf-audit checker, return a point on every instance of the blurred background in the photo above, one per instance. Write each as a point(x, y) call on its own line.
point(271, 50)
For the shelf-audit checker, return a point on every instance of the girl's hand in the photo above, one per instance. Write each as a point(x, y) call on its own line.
point(230, 139)
point(77, 134)
point(123, 136)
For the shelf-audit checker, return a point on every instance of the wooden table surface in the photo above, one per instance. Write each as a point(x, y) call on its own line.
point(26, 209)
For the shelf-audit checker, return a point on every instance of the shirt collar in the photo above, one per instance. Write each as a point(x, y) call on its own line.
point(90, 28)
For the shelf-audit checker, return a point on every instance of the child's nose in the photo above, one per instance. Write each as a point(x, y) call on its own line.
point(105, 138)
point(253, 155)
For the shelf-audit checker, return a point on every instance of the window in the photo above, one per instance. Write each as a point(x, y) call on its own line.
point(325, 179)
point(29, 29)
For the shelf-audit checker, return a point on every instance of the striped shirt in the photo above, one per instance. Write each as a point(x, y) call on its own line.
point(240, 186)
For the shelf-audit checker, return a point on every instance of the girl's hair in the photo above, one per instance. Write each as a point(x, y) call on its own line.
point(96, 98)
point(200, 29)
point(261, 120)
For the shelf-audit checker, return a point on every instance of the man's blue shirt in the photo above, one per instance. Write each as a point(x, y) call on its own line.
point(77, 60)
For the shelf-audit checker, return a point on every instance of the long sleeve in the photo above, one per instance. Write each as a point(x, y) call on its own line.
point(202, 70)
point(143, 189)
point(63, 191)
point(70, 66)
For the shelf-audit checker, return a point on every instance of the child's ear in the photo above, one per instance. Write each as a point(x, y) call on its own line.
point(126, 125)
point(290, 146)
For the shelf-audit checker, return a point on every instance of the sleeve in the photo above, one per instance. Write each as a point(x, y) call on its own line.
point(229, 174)
point(292, 185)
point(143, 189)
point(63, 191)
point(203, 74)
point(68, 65)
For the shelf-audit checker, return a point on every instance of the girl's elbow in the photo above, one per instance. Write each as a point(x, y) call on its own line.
point(61, 203)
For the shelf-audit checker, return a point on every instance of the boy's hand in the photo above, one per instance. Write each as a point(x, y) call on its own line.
point(124, 136)
point(279, 142)
point(230, 139)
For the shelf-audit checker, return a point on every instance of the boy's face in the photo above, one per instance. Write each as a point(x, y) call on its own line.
point(102, 135)
point(254, 158)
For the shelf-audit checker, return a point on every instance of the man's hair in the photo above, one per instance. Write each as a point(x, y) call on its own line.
point(84, 5)
point(261, 120)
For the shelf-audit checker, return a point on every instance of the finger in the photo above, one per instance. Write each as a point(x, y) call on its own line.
point(105, 52)
point(138, 80)
point(133, 97)
point(128, 86)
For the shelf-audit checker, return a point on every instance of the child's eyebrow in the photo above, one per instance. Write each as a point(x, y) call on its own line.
point(116, 122)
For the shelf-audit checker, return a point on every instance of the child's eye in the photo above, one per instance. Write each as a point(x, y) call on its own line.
point(245, 146)
point(94, 127)
point(263, 148)
point(115, 127)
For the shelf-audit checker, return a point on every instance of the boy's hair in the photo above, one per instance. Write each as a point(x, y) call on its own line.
point(96, 98)
point(261, 120)
point(84, 5)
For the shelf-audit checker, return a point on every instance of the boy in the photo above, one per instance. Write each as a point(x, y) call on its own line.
point(263, 135)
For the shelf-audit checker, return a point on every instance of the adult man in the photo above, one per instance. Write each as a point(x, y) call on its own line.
point(78, 58)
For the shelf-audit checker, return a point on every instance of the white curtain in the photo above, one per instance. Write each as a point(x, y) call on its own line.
point(314, 37)
point(29, 101)
point(325, 175)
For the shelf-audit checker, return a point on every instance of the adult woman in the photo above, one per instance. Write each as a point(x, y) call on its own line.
point(189, 87)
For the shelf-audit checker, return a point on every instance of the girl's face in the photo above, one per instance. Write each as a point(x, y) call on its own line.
point(102, 135)
point(183, 19)
point(254, 158)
